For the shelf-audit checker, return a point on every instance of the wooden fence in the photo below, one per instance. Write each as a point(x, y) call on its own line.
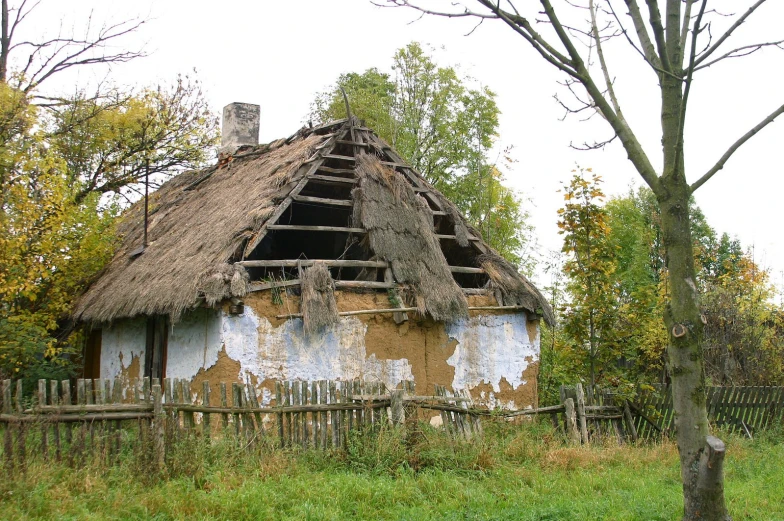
point(739, 409)
point(88, 421)
point(95, 420)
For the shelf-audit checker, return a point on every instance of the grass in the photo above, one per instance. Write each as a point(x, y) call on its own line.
point(514, 472)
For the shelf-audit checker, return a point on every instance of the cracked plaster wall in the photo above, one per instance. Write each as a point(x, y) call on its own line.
point(492, 354)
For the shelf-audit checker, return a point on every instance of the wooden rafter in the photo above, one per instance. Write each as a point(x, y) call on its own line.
point(283, 206)
point(358, 138)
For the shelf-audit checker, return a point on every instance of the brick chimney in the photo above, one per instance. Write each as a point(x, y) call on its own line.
point(240, 126)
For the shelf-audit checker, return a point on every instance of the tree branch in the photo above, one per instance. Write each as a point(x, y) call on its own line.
point(642, 34)
point(602, 62)
point(741, 51)
point(685, 23)
point(689, 76)
point(735, 146)
point(625, 33)
point(713, 48)
point(658, 33)
point(80, 56)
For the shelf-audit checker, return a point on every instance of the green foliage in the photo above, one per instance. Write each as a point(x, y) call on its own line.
point(56, 225)
point(515, 472)
point(743, 344)
point(590, 317)
point(444, 129)
point(626, 280)
point(113, 141)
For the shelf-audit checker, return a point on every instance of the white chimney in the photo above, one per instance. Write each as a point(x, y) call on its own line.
point(240, 126)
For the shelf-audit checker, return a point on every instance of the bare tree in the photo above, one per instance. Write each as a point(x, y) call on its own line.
point(675, 40)
point(40, 60)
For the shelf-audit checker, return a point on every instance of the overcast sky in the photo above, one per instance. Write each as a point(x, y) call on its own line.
point(280, 54)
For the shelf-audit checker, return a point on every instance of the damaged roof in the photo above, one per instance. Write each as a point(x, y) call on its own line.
point(337, 191)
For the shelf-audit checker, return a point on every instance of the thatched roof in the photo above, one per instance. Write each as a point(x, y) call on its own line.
point(202, 223)
point(400, 229)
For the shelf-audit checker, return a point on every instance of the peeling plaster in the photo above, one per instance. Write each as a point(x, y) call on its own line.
point(491, 348)
point(121, 341)
point(491, 351)
point(286, 352)
point(193, 343)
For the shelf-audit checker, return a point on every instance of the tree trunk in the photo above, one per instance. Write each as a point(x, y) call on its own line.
point(701, 459)
point(4, 41)
point(701, 455)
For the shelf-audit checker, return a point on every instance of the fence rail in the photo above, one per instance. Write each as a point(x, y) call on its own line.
point(739, 409)
point(74, 422)
point(88, 420)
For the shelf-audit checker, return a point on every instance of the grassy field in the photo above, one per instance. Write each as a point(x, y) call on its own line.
point(515, 472)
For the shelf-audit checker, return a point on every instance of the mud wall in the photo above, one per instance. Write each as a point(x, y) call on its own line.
point(493, 355)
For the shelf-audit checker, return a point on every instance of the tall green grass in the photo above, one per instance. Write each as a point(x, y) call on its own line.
point(523, 472)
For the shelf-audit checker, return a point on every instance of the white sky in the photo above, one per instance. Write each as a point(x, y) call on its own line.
point(279, 54)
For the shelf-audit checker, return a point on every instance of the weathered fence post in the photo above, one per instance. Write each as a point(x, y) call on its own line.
point(279, 403)
point(334, 415)
point(224, 405)
point(571, 422)
point(54, 400)
point(323, 415)
point(8, 443)
point(398, 416)
point(20, 441)
point(303, 401)
point(627, 413)
point(581, 413)
point(44, 423)
point(158, 429)
point(66, 388)
point(235, 406)
point(205, 417)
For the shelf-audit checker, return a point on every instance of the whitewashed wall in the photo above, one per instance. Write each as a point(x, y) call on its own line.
point(488, 349)
point(492, 348)
point(193, 343)
point(121, 341)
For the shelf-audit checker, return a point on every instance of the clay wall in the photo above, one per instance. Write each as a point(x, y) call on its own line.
point(495, 355)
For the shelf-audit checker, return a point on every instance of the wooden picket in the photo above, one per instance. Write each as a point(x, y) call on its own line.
point(86, 420)
point(739, 409)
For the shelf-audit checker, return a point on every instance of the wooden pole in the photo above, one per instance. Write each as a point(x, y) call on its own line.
point(54, 400)
point(627, 413)
point(398, 416)
point(44, 424)
point(571, 422)
point(158, 427)
point(20, 441)
point(205, 400)
point(8, 441)
point(224, 404)
point(581, 413)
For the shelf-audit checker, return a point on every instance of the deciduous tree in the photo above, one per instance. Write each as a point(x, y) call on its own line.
point(445, 129)
point(591, 315)
point(674, 39)
point(64, 163)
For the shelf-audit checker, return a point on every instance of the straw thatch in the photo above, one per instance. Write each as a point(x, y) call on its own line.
point(198, 220)
point(318, 306)
point(228, 280)
point(515, 289)
point(202, 221)
point(399, 226)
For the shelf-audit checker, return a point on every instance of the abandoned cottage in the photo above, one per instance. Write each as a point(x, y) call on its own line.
point(319, 256)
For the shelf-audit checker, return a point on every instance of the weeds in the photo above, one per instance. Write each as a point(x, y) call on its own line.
point(511, 472)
